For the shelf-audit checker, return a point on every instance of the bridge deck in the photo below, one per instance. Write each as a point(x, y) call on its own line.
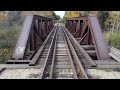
point(61, 52)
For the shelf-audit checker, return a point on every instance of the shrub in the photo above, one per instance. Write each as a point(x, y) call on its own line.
point(8, 39)
point(115, 40)
point(5, 54)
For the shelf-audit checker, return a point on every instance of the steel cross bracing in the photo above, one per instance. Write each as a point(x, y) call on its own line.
point(59, 55)
point(87, 31)
point(61, 51)
point(34, 32)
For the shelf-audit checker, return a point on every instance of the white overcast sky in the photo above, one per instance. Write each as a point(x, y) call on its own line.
point(60, 13)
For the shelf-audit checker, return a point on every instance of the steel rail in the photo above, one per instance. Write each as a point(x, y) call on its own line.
point(53, 59)
point(88, 58)
point(2, 69)
point(35, 58)
point(45, 64)
point(70, 58)
point(84, 75)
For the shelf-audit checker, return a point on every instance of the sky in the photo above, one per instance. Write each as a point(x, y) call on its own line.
point(60, 13)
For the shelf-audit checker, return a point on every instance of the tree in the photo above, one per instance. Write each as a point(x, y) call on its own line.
point(102, 16)
point(3, 16)
point(85, 13)
point(13, 17)
point(56, 17)
point(71, 14)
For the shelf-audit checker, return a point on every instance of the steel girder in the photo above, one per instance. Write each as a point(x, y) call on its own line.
point(34, 31)
point(87, 31)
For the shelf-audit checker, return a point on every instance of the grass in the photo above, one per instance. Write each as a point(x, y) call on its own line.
point(5, 54)
point(106, 36)
point(8, 39)
point(115, 39)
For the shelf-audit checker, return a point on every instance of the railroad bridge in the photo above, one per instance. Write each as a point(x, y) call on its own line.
point(75, 46)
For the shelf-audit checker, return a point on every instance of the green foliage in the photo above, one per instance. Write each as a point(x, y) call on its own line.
point(102, 16)
point(71, 14)
point(5, 54)
point(106, 36)
point(115, 40)
point(8, 40)
point(56, 17)
point(8, 37)
point(13, 17)
point(85, 13)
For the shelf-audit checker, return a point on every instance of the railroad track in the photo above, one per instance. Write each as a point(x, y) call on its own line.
point(60, 57)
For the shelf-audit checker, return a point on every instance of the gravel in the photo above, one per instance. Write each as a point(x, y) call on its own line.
point(63, 71)
point(20, 74)
point(102, 74)
point(35, 73)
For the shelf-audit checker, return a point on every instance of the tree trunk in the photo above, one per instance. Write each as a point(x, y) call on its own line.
point(113, 28)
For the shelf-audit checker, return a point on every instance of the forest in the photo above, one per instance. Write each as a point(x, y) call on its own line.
point(11, 24)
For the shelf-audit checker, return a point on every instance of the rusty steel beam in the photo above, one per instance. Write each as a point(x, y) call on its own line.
point(90, 33)
point(70, 59)
point(74, 27)
point(36, 17)
point(35, 58)
point(31, 36)
point(77, 33)
point(53, 59)
point(81, 69)
point(100, 45)
point(78, 18)
point(48, 54)
point(88, 47)
point(22, 41)
point(88, 58)
point(70, 25)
